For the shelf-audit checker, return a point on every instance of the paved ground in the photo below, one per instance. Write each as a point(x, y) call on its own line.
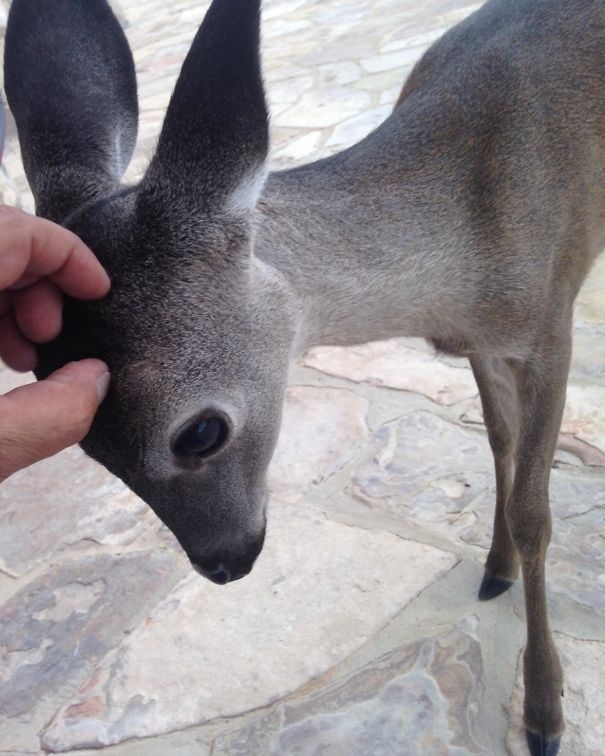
point(358, 633)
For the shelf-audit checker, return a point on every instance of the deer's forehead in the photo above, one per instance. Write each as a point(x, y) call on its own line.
point(129, 238)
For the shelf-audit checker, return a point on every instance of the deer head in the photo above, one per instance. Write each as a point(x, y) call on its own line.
point(196, 330)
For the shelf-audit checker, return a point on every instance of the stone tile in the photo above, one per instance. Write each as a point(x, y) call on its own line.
point(420, 41)
point(395, 365)
point(354, 129)
point(397, 59)
point(322, 430)
point(320, 589)
point(436, 478)
point(378, 83)
point(588, 363)
point(273, 9)
point(583, 703)
point(91, 507)
point(10, 380)
point(297, 150)
point(290, 91)
point(329, 67)
point(324, 107)
point(420, 699)
point(584, 415)
point(582, 428)
point(587, 454)
point(281, 27)
point(338, 74)
point(576, 558)
point(433, 475)
point(390, 96)
point(580, 418)
point(590, 305)
point(176, 744)
point(56, 629)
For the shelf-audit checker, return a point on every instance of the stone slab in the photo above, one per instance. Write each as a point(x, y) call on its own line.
point(436, 478)
point(320, 589)
point(582, 705)
point(420, 699)
point(394, 364)
point(55, 630)
point(584, 415)
point(43, 513)
point(325, 42)
point(432, 474)
point(322, 430)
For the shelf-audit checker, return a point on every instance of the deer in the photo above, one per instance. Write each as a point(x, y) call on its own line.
point(470, 217)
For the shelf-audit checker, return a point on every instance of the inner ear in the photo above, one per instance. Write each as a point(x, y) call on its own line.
point(244, 198)
point(71, 85)
point(215, 136)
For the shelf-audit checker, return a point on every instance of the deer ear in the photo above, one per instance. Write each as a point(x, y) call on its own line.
point(71, 84)
point(214, 139)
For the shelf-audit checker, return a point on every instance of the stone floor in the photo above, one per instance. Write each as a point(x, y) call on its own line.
point(358, 633)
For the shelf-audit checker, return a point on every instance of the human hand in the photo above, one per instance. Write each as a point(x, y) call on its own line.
point(39, 261)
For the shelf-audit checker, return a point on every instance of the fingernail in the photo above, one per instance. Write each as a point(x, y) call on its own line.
point(103, 385)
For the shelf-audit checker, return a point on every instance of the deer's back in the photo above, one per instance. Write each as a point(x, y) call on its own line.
point(488, 179)
point(512, 102)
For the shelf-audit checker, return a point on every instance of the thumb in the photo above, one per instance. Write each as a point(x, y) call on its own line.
point(40, 419)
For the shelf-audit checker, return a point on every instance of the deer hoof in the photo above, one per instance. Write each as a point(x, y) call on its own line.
point(492, 586)
point(538, 746)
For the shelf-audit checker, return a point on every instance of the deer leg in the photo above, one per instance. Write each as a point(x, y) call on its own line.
point(496, 381)
point(541, 389)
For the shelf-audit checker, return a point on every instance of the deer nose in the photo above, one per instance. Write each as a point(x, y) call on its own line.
point(222, 570)
point(216, 571)
point(225, 567)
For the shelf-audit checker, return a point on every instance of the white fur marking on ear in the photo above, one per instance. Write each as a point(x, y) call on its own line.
point(119, 168)
point(244, 197)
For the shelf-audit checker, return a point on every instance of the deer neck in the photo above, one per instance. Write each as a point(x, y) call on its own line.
point(359, 245)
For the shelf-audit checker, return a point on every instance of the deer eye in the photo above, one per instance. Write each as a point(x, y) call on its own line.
point(201, 438)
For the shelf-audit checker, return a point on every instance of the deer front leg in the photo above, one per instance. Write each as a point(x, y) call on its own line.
point(541, 390)
point(496, 380)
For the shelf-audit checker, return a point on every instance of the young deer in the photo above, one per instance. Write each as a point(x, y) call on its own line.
point(470, 217)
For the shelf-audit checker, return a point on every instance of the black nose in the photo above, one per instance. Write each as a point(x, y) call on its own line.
point(217, 571)
point(226, 566)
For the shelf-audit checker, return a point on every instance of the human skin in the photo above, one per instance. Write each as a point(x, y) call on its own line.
point(39, 263)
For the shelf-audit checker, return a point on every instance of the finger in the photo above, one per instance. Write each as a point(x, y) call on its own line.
point(27, 279)
point(16, 351)
point(37, 247)
point(6, 302)
point(38, 310)
point(40, 419)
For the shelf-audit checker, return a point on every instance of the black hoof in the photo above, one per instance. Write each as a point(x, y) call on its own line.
point(492, 587)
point(540, 747)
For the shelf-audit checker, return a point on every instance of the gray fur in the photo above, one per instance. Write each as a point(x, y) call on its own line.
point(470, 218)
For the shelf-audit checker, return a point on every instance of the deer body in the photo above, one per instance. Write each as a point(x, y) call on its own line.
point(470, 218)
point(477, 236)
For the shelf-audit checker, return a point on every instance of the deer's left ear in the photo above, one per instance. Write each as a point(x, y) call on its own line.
point(214, 140)
point(70, 82)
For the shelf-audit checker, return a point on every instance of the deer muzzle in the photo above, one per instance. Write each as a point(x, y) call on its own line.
point(226, 566)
